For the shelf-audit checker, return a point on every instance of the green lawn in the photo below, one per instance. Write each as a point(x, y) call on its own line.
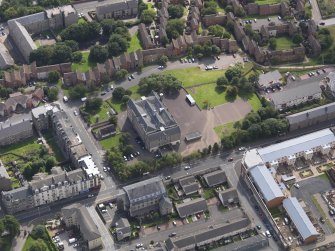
point(332, 31)
point(275, 212)
point(193, 76)
point(112, 141)
point(209, 193)
point(284, 43)
point(135, 43)
point(225, 129)
point(5, 243)
point(85, 65)
point(102, 115)
point(255, 102)
point(30, 241)
point(24, 148)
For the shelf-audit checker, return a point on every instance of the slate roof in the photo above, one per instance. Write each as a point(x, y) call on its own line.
point(215, 178)
point(191, 207)
point(6, 59)
point(152, 114)
point(269, 78)
point(295, 145)
point(305, 89)
point(87, 226)
point(311, 113)
point(18, 193)
point(12, 129)
point(265, 183)
point(299, 218)
point(189, 185)
point(145, 190)
point(206, 236)
point(227, 194)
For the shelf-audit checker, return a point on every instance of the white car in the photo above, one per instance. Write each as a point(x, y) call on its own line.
point(75, 113)
point(296, 185)
point(112, 87)
point(105, 169)
point(241, 149)
point(102, 177)
point(110, 204)
point(108, 169)
point(187, 167)
point(90, 195)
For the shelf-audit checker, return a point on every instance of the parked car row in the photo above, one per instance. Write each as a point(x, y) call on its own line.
point(189, 60)
point(209, 67)
point(318, 72)
point(131, 156)
point(274, 88)
point(130, 77)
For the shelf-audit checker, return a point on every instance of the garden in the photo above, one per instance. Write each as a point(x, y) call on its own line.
point(326, 7)
point(306, 173)
point(39, 239)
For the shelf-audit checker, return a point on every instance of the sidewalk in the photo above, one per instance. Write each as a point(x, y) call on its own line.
point(18, 242)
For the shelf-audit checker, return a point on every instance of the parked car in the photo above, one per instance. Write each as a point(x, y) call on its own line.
point(129, 78)
point(174, 223)
point(168, 177)
point(132, 76)
point(258, 227)
point(103, 93)
point(172, 234)
point(296, 185)
point(322, 220)
point(187, 167)
point(105, 169)
point(322, 23)
point(90, 195)
point(75, 113)
point(215, 67)
point(230, 159)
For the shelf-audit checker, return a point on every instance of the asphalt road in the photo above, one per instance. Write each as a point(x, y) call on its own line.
point(309, 187)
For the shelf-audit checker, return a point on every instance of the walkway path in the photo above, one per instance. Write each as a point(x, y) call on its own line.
point(18, 242)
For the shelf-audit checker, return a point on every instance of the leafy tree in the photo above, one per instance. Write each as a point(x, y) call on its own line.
point(230, 26)
point(147, 16)
point(226, 35)
point(52, 93)
point(164, 40)
point(297, 39)
point(53, 76)
point(118, 93)
point(216, 30)
point(159, 83)
point(38, 245)
point(255, 131)
point(93, 105)
point(229, 8)
point(41, 55)
point(98, 54)
point(39, 232)
point(12, 225)
point(240, 12)
point(111, 26)
point(113, 120)
point(50, 162)
point(61, 54)
point(125, 99)
point(2, 227)
point(163, 60)
point(221, 82)
point(232, 72)
point(81, 32)
point(72, 44)
point(141, 7)
point(174, 28)
point(117, 44)
point(210, 7)
point(231, 92)
point(120, 75)
point(176, 11)
point(4, 92)
point(215, 148)
point(272, 43)
point(78, 91)
point(77, 56)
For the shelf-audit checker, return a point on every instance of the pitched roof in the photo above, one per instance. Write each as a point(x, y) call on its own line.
point(191, 207)
point(215, 178)
point(265, 183)
point(227, 194)
point(269, 78)
point(144, 190)
point(299, 218)
point(7, 130)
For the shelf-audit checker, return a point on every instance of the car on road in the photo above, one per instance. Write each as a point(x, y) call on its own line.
point(230, 159)
point(187, 167)
point(76, 245)
point(168, 177)
point(132, 76)
point(268, 233)
point(75, 113)
point(112, 87)
point(103, 93)
point(172, 234)
point(215, 67)
point(139, 245)
point(108, 168)
point(102, 177)
point(217, 57)
point(129, 78)
point(258, 227)
point(125, 158)
point(296, 185)
point(174, 223)
point(90, 195)
point(242, 148)
point(105, 169)
point(322, 23)
point(160, 67)
point(110, 204)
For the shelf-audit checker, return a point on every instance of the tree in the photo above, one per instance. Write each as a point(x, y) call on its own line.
point(120, 75)
point(176, 11)
point(93, 105)
point(216, 30)
point(117, 44)
point(41, 55)
point(147, 16)
point(61, 54)
point(215, 50)
point(110, 26)
point(230, 26)
point(77, 56)
point(81, 32)
point(113, 120)
point(210, 7)
point(215, 148)
point(72, 44)
point(164, 40)
point(221, 82)
point(226, 35)
point(2, 227)
point(38, 245)
point(231, 92)
point(163, 60)
point(125, 99)
point(240, 12)
point(53, 76)
point(159, 83)
point(78, 91)
point(118, 93)
point(141, 7)
point(232, 72)
point(50, 162)
point(11, 225)
point(297, 39)
point(174, 28)
point(52, 93)
point(98, 54)
point(272, 44)
point(39, 232)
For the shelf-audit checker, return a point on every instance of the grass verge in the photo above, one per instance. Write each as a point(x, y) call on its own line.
point(85, 64)
point(135, 43)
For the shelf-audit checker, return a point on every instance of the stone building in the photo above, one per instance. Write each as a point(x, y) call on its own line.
point(5, 181)
point(14, 133)
point(119, 9)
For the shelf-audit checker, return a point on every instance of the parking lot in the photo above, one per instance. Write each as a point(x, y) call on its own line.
point(63, 237)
